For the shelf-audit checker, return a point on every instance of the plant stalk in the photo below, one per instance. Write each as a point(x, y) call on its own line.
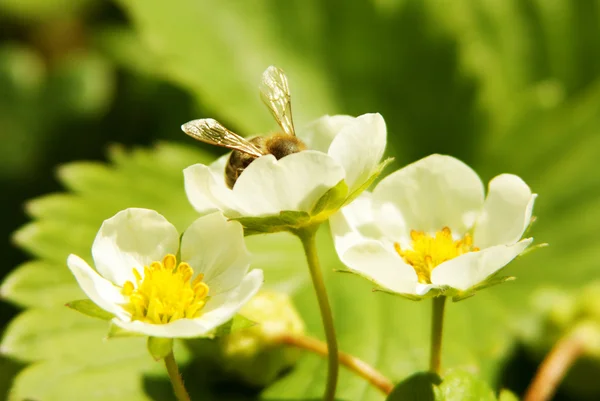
point(353, 363)
point(437, 328)
point(176, 380)
point(556, 364)
point(308, 238)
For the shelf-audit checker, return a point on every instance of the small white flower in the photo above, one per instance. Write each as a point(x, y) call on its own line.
point(341, 148)
point(148, 292)
point(428, 227)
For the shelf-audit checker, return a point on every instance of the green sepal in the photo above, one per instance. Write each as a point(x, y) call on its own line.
point(533, 248)
point(458, 295)
point(284, 221)
point(115, 331)
point(159, 347)
point(239, 322)
point(456, 385)
point(369, 181)
point(331, 201)
point(87, 307)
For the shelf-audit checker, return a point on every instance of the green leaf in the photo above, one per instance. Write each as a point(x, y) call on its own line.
point(459, 385)
point(455, 386)
point(159, 347)
point(89, 308)
point(420, 386)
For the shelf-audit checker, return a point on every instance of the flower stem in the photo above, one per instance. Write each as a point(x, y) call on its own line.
point(556, 364)
point(308, 238)
point(437, 327)
point(353, 363)
point(176, 380)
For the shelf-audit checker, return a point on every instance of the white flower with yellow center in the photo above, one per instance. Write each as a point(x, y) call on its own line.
point(427, 229)
point(343, 157)
point(140, 282)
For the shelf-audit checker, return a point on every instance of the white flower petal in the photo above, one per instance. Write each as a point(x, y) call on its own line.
point(219, 309)
point(133, 238)
point(206, 189)
point(423, 289)
point(354, 223)
point(472, 268)
point(215, 247)
point(101, 291)
point(295, 182)
point(372, 260)
point(392, 224)
point(506, 212)
point(433, 193)
point(224, 306)
point(182, 328)
point(359, 148)
point(319, 134)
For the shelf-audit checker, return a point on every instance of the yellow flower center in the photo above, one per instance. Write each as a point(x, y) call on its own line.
point(165, 293)
point(429, 251)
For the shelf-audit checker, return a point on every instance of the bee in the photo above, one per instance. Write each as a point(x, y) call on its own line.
point(275, 93)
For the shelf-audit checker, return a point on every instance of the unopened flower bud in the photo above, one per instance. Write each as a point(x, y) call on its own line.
point(255, 353)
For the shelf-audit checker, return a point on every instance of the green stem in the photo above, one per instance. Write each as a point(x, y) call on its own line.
point(437, 327)
point(176, 380)
point(308, 238)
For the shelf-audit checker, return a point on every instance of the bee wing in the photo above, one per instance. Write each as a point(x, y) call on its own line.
point(213, 132)
point(275, 93)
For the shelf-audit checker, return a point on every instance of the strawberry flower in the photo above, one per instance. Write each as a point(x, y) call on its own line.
point(143, 286)
point(428, 229)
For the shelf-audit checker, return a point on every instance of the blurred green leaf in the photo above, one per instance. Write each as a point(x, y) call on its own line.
point(219, 50)
point(34, 10)
point(22, 76)
point(8, 369)
point(124, 46)
point(82, 84)
point(36, 99)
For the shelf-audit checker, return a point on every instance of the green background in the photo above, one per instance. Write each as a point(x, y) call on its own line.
point(505, 85)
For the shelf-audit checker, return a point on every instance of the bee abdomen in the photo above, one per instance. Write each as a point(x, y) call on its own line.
point(283, 145)
point(237, 162)
point(279, 145)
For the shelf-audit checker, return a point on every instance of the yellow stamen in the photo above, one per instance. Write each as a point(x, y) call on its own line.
point(430, 251)
point(165, 293)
